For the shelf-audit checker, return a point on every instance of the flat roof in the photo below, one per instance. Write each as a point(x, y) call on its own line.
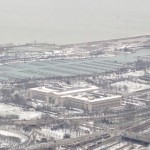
point(87, 99)
point(43, 89)
point(73, 91)
point(63, 92)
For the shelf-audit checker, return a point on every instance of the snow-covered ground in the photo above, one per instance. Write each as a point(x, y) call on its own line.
point(134, 74)
point(131, 86)
point(135, 103)
point(106, 145)
point(121, 146)
point(7, 110)
point(29, 115)
point(147, 131)
point(85, 128)
point(58, 134)
point(124, 75)
point(14, 134)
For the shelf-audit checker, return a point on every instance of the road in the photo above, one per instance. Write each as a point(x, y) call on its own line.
point(79, 140)
point(136, 113)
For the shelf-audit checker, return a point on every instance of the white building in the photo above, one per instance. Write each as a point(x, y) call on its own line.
point(88, 98)
point(92, 104)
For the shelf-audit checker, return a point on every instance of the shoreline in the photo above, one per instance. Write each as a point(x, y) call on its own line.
point(80, 43)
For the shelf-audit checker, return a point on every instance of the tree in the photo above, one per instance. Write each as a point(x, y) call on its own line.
point(119, 89)
point(66, 136)
point(30, 85)
point(125, 88)
point(130, 116)
point(16, 97)
point(6, 94)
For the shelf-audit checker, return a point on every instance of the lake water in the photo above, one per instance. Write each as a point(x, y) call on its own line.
point(72, 21)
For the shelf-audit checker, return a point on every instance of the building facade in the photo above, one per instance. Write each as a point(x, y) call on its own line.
point(76, 98)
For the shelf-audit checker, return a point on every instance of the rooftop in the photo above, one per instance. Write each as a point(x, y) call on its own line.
point(43, 89)
point(76, 90)
point(65, 91)
point(93, 100)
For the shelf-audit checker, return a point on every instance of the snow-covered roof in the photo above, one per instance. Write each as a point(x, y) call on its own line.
point(65, 91)
point(43, 89)
point(88, 99)
point(73, 91)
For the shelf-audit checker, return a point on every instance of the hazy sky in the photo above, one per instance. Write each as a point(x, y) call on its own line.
point(71, 21)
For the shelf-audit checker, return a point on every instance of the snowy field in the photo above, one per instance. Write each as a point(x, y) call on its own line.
point(59, 133)
point(14, 134)
point(121, 146)
point(114, 76)
point(134, 74)
point(131, 86)
point(7, 110)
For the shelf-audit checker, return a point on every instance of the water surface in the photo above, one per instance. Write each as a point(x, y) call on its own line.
point(72, 21)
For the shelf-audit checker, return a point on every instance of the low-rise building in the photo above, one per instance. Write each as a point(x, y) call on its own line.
point(88, 98)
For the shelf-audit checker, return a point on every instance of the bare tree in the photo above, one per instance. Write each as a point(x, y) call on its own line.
point(125, 88)
point(6, 94)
